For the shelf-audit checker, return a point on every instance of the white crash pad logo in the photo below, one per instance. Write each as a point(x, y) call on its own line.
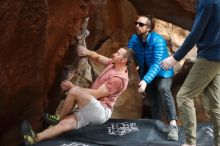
point(122, 128)
point(74, 144)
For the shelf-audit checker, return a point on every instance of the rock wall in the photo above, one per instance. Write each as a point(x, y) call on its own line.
point(34, 40)
point(178, 12)
point(38, 40)
point(22, 64)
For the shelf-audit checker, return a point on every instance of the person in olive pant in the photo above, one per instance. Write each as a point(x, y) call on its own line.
point(204, 77)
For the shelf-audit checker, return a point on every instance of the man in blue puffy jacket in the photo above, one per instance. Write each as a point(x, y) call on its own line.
point(204, 77)
point(150, 49)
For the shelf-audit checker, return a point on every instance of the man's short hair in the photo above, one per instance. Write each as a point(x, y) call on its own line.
point(150, 23)
point(129, 55)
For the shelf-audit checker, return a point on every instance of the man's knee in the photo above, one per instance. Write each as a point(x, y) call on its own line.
point(214, 111)
point(67, 124)
point(180, 99)
point(75, 91)
point(163, 88)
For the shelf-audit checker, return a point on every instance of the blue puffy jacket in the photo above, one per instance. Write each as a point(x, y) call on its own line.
point(149, 55)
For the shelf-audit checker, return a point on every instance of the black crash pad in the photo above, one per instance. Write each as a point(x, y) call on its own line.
point(119, 132)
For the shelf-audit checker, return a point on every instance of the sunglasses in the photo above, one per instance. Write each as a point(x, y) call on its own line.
point(139, 23)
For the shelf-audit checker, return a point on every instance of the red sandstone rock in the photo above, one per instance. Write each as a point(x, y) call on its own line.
point(35, 48)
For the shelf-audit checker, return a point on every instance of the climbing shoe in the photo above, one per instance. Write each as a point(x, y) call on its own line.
point(173, 133)
point(28, 135)
point(51, 119)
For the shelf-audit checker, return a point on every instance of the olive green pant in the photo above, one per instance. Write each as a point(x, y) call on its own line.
point(203, 78)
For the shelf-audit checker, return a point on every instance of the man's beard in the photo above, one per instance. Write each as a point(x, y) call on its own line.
point(113, 61)
point(140, 34)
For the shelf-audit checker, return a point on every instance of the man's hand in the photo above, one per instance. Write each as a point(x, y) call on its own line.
point(168, 63)
point(66, 85)
point(83, 51)
point(142, 87)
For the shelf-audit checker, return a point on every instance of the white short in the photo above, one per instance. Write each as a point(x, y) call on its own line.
point(93, 113)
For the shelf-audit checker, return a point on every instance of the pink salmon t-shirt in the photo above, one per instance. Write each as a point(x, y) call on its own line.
point(115, 83)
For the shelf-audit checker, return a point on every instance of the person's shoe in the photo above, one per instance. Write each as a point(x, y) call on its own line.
point(166, 129)
point(51, 119)
point(173, 133)
point(28, 135)
point(161, 126)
